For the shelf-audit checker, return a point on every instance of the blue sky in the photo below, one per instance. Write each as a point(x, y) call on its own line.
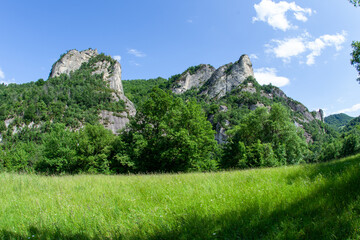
point(301, 45)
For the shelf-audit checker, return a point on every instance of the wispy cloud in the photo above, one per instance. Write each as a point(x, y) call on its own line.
point(117, 58)
point(136, 53)
point(269, 75)
point(322, 42)
point(352, 109)
point(253, 57)
point(275, 13)
point(134, 63)
point(2, 74)
point(8, 82)
point(189, 21)
point(293, 47)
point(340, 100)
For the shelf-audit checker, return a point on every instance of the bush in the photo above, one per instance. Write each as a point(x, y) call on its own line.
point(59, 154)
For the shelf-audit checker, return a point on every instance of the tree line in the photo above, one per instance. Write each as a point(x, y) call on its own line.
point(168, 134)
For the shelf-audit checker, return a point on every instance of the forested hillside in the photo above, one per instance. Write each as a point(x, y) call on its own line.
point(72, 100)
point(79, 120)
point(338, 121)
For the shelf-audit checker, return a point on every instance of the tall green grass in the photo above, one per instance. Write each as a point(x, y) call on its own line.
point(318, 201)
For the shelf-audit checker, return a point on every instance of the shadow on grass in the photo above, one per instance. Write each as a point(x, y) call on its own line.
point(332, 211)
point(35, 233)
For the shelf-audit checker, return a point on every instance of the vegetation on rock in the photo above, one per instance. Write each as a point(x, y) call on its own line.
point(53, 127)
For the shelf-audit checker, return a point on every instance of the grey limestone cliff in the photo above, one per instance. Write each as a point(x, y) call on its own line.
point(73, 60)
point(195, 79)
point(298, 107)
point(228, 77)
point(215, 83)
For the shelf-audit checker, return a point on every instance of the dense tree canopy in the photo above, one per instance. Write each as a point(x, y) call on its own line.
point(355, 2)
point(72, 100)
point(355, 60)
point(53, 127)
point(169, 134)
point(265, 138)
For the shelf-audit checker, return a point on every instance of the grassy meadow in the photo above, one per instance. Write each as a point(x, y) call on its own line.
point(317, 201)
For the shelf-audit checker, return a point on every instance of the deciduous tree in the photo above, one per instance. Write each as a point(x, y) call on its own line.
point(169, 135)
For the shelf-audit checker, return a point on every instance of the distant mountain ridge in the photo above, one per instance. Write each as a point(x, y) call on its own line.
point(232, 90)
point(214, 82)
point(226, 94)
point(338, 121)
point(355, 122)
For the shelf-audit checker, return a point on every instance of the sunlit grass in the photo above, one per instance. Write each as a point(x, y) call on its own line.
point(318, 201)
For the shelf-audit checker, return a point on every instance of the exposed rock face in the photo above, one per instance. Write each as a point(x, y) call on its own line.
point(298, 107)
point(249, 88)
point(307, 135)
point(73, 60)
point(320, 115)
point(255, 106)
point(8, 122)
point(218, 82)
point(228, 77)
point(113, 122)
point(220, 135)
point(113, 76)
point(190, 80)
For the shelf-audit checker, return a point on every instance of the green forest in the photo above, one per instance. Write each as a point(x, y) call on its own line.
point(53, 127)
point(147, 141)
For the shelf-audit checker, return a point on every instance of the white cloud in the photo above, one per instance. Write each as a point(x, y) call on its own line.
point(136, 53)
point(300, 16)
point(268, 75)
point(325, 111)
point(8, 82)
point(2, 74)
point(253, 56)
point(134, 63)
point(354, 108)
point(189, 21)
point(292, 47)
point(288, 48)
point(322, 42)
point(275, 13)
point(117, 58)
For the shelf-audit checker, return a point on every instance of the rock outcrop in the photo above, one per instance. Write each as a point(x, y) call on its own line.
point(111, 71)
point(319, 115)
point(215, 83)
point(194, 79)
point(71, 61)
point(295, 106)
point(228, 77)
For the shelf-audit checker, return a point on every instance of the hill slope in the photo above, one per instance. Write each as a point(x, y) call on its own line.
point(83, 87)
point(229, 93)
point(338, 121)
point(352, 124)
point(50, 125)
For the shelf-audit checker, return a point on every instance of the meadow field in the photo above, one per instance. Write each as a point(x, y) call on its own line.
point(315, 201)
